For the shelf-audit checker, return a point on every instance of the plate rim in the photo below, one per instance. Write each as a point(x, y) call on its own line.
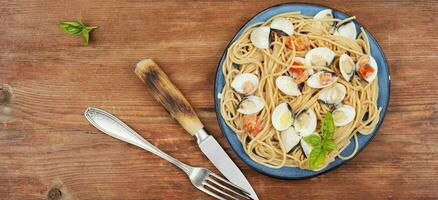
point(217, 102)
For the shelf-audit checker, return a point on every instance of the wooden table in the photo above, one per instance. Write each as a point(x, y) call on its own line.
point(49, 151)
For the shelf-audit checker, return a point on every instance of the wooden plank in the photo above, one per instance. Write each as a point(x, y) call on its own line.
point(47, 149)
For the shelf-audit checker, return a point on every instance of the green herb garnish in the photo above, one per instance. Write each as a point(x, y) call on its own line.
point(321, 146)
point(77, 28)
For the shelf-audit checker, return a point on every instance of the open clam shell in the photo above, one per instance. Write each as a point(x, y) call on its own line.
point(260, 37)
point(343, 115)
point(245, 83)
point(347, 67)
point(326, 14)
point(250, 105)
point(282, 24)
point(333, 95)
point(305, 122)
point(287, 85)
point(371, 63)
point(290, 139)
point(347, 30)
point(322, 79)
point(282, 117)
point(320, 57)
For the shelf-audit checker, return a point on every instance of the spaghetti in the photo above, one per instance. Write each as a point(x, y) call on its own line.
point(262, 142)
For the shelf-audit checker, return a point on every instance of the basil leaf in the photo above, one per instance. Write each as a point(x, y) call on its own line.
point(329, 145)
point(86, 35)
point(320, 160)
point(314, 158)
point(76, 28)
point(328, 126)
point(317, 158)
point(313, 140)
point(72, 28)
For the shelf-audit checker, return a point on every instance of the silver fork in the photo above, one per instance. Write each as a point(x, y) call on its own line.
point(201, 178)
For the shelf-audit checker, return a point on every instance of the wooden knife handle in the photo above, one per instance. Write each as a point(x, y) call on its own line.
point(163, 90)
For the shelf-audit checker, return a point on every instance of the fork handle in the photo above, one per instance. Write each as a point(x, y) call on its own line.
point(165, 92)
point(114, 127)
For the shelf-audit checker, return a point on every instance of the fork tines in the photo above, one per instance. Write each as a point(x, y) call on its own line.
point(220, 188)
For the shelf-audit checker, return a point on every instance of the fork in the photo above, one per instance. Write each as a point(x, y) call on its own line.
point(201, 178)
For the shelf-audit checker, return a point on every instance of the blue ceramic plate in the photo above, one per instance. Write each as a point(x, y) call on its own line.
point(291, 172)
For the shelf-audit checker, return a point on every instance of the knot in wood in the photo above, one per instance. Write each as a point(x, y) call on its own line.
point(54, 194)
point(6, 94)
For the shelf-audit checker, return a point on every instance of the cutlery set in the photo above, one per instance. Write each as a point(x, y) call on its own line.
point(165, 92)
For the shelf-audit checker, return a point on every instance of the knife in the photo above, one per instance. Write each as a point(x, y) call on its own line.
point(163, 90)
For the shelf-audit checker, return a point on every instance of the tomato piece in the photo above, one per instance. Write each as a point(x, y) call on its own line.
point(301, 43)
point(289, 42)
point(252, 124)
point(298, 74)
point(296, 63)
point(366, 70)
point(296, 70)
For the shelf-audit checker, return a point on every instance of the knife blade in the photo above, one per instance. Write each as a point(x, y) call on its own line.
point(165, 92)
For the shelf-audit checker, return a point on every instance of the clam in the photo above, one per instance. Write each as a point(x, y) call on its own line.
point(305, 122)
point(333, 95)
point(287, 85)
point(346, 66)
point(366, 68)
point(307, 148)
point(260, 37)
point(282, 25)
point(326, 14)
point(282, 117)
point(245, 83)
point(250, 105)
point(343, 115)
point(320, 57)
point(290, 139)
point(347, 30)
point(322, 79)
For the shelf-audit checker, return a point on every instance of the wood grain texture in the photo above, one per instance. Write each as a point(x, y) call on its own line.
point(49, 151)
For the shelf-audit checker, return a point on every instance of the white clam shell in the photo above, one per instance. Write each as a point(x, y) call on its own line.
point(314, 81)
point(347, 67)
point(322, 14)
point(305, 123)
point(373, 64)
point(282, 117)
point(283, 24)
point(290, 139)
point(260, 37)
point(287, 85)
point(316, 55)
point(343, 115)
point(333, 95)
point(239, 81)
point(347, 30)
point(251, 105)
